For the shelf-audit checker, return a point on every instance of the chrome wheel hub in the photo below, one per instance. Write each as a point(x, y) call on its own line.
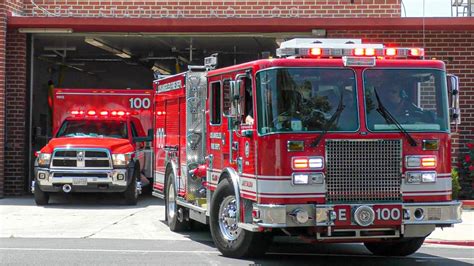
point(171, 202)
point(228, 219)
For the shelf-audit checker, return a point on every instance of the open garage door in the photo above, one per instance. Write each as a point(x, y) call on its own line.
point(120, 60)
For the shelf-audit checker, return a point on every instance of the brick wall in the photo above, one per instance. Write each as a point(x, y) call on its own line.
point(213, 8)
point(16, 101)
point(13, 102)
point(455, 48)
point(3, 29)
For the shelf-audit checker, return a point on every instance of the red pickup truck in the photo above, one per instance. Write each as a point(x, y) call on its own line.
point(99, 144)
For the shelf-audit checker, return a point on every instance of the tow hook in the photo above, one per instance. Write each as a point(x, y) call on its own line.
point(67, 188)
point(33, 186)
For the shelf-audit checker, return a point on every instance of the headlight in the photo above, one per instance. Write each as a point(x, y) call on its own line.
point(300, 179)
point(121, 159)
point(307, 178)
point(420, 177)
point(429, 177)
point(44, 159)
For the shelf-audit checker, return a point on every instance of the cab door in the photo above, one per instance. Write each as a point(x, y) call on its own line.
point(215, 134)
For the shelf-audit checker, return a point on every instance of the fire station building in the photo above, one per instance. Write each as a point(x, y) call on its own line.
point(123, 44)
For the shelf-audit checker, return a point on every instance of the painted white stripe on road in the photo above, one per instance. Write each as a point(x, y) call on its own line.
point(217, 252)
point(112, 250)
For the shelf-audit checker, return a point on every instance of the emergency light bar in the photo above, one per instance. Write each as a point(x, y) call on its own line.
point(338, 48)
point(102, 113)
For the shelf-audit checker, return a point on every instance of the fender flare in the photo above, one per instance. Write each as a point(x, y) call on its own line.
point(235, 179)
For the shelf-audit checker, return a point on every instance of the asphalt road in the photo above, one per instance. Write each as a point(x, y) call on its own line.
point(97, 230)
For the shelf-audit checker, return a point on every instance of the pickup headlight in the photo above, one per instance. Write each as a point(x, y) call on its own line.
point(44, 159)
point(121, 159)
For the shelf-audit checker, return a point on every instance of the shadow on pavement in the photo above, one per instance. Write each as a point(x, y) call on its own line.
point(83, 201)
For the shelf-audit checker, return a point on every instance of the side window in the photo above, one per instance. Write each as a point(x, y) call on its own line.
point(215, 103)
point(248, 102)
point(134, 130)
point(227, 99)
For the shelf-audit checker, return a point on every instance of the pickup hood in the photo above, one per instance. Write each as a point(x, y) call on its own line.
point(113, 144)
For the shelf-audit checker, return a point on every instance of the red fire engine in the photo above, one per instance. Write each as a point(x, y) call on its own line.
point(336, 141)
point(97, 144)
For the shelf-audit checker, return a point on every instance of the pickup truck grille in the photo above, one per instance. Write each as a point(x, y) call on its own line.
point(81, 158)
point(363, 170)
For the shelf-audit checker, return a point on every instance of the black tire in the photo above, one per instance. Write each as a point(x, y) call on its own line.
point(172, 208)
point(241, 243)
point(41, 197)
point(131, 194)
point(399, 247)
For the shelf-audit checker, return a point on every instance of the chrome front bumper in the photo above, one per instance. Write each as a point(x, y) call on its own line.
point(110, 180)
point(282, 216)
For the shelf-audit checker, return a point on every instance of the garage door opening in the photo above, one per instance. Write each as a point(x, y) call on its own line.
point(120, 61)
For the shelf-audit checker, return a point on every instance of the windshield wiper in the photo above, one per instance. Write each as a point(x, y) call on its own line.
point(330, 122)
point(391, 120)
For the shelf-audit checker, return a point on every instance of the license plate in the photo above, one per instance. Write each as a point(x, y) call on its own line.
point(79, 181)
point(383, 215)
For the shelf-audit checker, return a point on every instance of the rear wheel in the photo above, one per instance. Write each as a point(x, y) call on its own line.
point(131, 194)
point(231, 240)
point(174, 213)
point(400, 247)
point(41, 197)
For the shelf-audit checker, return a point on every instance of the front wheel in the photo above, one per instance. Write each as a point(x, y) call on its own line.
point(174, 213)
point(41, 197)
point(231, 240)
point(400, 247)
point(131, 194)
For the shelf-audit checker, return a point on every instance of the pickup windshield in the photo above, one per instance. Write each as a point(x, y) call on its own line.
point(305, 100)
point(93, 128)
point(416, 98)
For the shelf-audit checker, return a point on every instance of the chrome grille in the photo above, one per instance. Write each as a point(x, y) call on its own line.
point(363, 170)
point(81, 158)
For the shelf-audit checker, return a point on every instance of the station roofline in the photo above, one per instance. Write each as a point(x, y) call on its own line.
point(238, 24)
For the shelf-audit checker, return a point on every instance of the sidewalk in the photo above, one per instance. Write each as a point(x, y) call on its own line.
point(461, 234)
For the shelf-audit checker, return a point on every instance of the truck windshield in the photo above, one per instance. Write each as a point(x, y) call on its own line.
point(305, 100)
point(416, 98)
point(93, 128)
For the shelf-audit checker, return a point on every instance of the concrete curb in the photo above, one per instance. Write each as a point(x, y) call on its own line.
point(468, 204)
point(468, 243)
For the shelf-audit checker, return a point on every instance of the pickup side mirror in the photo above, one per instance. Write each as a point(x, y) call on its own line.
point(453, 92)
point(148, 138)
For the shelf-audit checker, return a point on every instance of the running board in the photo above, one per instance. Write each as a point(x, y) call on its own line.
point(158, 195)
point(195, 212)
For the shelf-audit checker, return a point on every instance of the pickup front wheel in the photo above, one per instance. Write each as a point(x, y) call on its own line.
point(131, 194)
point(41, 197)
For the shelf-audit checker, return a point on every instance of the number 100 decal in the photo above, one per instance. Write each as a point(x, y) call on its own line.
point(386, 214)
point(139, 103)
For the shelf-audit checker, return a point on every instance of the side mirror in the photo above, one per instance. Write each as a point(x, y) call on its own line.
point(235, 97)
point(453, 92)
point(148, 138)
